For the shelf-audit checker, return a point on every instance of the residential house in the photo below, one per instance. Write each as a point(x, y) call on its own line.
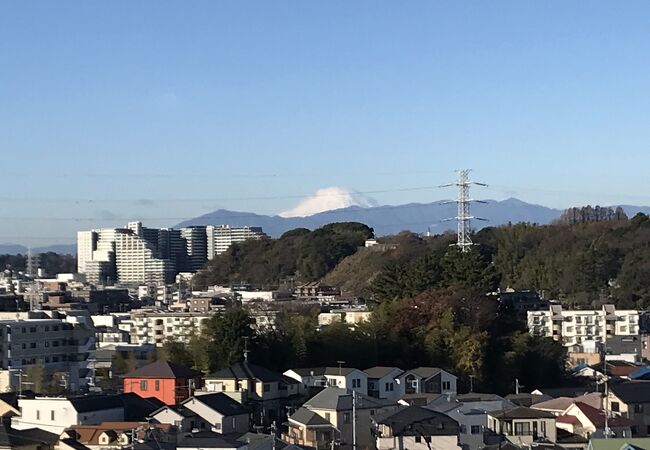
point(416, 428)
point(522, 425)
point(335, 406)
point(307, 428)
point(632, 400)
point(471, 413)
point(115, 435)
point(386, 382)
point(208, 440)
point(55, 414)
point(9, 403)
point(223, 413)
point(558, 406)
point(430, 380)
point(166, 381)
point(340, 377)
point(27, 439)
point(589, 422)
point(179, 416)
point(266, 393)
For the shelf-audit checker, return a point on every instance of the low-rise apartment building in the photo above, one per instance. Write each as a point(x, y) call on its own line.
point(150, 327)
point(573, 327)
point(57, 343)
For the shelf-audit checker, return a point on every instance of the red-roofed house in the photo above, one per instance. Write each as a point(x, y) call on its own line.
point(589, 422)
point(168, 382)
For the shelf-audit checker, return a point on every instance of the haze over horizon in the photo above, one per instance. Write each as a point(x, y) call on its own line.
point(167, 111)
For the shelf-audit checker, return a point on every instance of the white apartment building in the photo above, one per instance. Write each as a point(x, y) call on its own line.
point(574, 327)
point(148, 327)
point(221, 237)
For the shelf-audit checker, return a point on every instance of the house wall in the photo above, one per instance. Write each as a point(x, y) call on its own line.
point(545, 427)
point(446, 377)
point(410, 443)
point(640, 420)
point(345, 381)
point(186, 423)
point(398, 386)
point(166, 393)
point(365, 435)
point(38, 413)
point(223, 424)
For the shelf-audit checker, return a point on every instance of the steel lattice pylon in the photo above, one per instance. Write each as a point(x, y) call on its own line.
point(464, 217)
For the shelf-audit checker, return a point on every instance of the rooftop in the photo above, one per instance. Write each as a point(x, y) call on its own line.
point(307, 417)
point(521, 412)
point(248, 371)
point(163, 369)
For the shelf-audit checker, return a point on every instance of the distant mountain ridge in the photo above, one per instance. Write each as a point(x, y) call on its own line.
point(416, 217)
point(17, 249)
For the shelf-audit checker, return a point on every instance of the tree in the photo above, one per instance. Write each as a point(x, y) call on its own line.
point(176, 352)
point(227, 334)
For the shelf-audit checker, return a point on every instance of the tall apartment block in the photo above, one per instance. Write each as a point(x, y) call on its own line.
point(140, 255)
point(221, 237)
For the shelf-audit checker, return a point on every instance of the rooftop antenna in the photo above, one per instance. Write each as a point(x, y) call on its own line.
point(340, 363)
point(463, 216)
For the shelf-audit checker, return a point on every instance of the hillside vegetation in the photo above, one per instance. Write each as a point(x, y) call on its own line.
point(584, 261)
point(300, 254)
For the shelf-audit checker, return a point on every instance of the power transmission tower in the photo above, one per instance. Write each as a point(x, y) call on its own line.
point(463, 216)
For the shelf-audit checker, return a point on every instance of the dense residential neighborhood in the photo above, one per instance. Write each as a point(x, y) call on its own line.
point(99, 365)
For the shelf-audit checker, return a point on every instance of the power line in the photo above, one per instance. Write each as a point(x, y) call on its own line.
point(212, 199)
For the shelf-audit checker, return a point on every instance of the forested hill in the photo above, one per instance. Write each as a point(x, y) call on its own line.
point(597, 259)
point(300, 254)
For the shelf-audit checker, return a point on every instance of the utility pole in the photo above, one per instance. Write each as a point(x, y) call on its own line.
point(463, 216)
point(273, 431)
point(246, 349)
point(354, 420)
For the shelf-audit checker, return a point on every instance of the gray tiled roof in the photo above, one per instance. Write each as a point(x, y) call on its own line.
point(380, 371)
point(307, 417)
point(341, 400)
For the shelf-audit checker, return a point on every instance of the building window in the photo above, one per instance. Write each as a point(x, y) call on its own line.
point(327, 416)
point(346, 417)
point(418, 439)
point(143, 385)
point(52, 415)
point(356, 383)
point(446, 385)
point(638, 408)
point(157, 385)
point(522, 429)
point(38, 415)
point(476, 429)
point(615, 406)
point(267, 387)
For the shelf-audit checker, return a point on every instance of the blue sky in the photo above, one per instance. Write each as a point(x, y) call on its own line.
point(167, 110)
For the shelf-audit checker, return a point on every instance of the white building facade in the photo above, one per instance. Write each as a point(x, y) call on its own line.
point(575, 327)
point(220, 238)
